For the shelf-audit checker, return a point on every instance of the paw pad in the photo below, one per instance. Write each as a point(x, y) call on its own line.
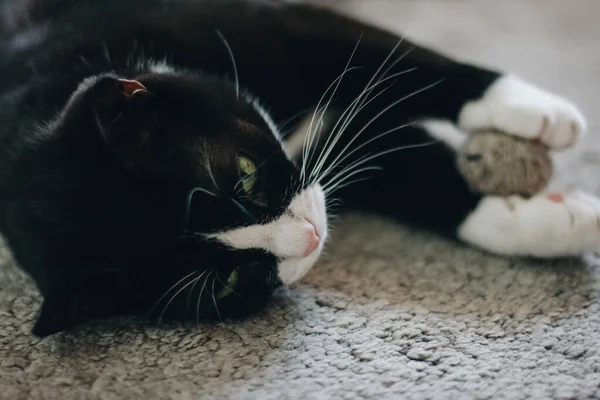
point(556, 197)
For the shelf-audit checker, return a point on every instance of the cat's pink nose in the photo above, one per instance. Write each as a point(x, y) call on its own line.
point(313, 241)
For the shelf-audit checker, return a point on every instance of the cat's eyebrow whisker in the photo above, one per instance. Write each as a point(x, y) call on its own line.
point(169, 291)
point(235, 70)
point(200, 298)
point(375, 118)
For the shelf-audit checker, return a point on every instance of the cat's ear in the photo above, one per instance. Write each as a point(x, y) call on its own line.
point(124, 114)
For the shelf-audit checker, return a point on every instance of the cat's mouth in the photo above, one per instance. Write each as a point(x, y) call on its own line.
point(292, 269)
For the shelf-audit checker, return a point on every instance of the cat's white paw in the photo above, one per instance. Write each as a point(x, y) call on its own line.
point(515, 106)
point(547, 225)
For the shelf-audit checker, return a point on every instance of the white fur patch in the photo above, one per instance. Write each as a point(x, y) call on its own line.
point(161, 67)
point(289, 236)
point(537, 227)
point(264, 114)
point(294, 142)
point(445, 131)
point(156, 67)
point(517, 107)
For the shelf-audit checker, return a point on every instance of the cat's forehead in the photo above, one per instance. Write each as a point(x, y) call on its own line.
point(214, 108)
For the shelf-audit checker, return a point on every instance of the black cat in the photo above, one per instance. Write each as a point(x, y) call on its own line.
point(175, 158)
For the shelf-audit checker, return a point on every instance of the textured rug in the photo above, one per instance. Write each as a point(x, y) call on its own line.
point(388, 313)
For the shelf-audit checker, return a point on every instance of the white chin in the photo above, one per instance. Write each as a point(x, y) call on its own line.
point(293, 269)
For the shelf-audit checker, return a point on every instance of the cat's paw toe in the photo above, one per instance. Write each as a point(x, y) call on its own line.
point(546, 225)
point(584, 210)
point(516, 107)
point(562, 126)
point(572, 222)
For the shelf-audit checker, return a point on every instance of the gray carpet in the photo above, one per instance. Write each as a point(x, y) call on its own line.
point(388, 313)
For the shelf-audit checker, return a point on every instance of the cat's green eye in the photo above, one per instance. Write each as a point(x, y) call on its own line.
point(248, 170)
point(229, 287)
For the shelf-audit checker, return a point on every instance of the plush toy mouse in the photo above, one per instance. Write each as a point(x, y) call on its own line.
point(500, 164)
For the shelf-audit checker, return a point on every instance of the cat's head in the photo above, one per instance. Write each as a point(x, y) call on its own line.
point(185, 199)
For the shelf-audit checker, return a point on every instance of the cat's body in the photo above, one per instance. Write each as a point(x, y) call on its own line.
point(188, 97)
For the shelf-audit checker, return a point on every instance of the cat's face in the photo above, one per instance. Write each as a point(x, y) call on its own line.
point(220, 214)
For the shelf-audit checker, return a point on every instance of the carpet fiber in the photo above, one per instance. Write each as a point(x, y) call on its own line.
point(388, 312)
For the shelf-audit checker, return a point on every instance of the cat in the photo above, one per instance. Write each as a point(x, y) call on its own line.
point(180, 159)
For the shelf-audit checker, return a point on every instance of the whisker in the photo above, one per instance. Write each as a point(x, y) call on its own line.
point(288, 121)
point(338, 187)
point(330, 204)
point(349, 113)
point(187, 234)
point(328, 147)
point(312, 136)
point(173, 298)
point(188, 206)
point(308, 139)
point(338, 81)
point(84, 61)
point(378, 115)
point(328, 189)
point(392, 65)
point(200, 298)
point(225, 285)
point(169, 290)
point(189, 296)
point(107, 54)
point(215, 299)
point(334, 165)
point(212, 177)
point(246, 176)
point(381, 153)
point(235, 71)
point(244, 210)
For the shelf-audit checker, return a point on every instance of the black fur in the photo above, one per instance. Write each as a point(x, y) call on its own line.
point(93, 192)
